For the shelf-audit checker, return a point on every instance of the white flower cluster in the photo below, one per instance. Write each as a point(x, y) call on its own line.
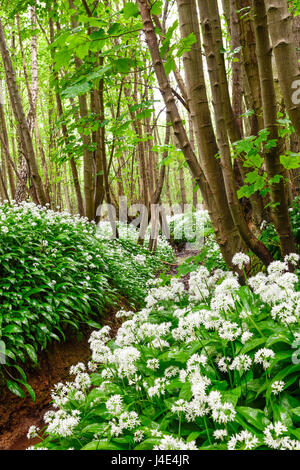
point(276, 437)
point(173, 443)
point(62, 422)
point(187, 340)
point(277, 289)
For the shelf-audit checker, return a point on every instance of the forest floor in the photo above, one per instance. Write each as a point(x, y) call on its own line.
point(17, 415)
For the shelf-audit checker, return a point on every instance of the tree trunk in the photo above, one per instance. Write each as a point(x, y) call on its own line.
point(21, 119)
point(281, 32)
point(279, 208)
point(215, 62)
point(226, 244)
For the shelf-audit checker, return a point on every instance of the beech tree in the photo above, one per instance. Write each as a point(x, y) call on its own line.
point(161, 102)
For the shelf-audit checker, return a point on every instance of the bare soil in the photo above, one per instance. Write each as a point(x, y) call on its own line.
point(17, 414)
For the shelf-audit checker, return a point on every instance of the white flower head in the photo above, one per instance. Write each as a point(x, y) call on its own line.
point(240, 260)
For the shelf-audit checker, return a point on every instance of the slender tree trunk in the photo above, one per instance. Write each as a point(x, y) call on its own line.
point(80, 206)
point(247, 41)
point(281, 32)
point(179, 130)
point(3, 130)
point(21, 119)
point(280, 212)
point(215, 62)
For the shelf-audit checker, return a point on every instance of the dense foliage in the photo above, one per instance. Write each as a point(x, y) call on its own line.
point(214, 367)
point(269, 236)
point(59, 271)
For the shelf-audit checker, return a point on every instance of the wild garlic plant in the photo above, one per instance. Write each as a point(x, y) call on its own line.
point(57, 271)
point(211, 367)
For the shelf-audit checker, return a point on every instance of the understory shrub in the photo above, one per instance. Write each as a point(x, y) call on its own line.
point(56, 270)
point(212, 367)
point(270, 237)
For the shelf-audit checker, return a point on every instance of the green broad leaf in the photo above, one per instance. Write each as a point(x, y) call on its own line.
point(296, 433)
point(130, 10)
point(10, 354)
point(11, 329)
point(169, 65)
point(286, 372)
point(283, 337)
point(253, 416)
point(94, 428)
point(251, 177)
point(157, 8)
point(146, 113)
point(252, 344)
point(124, 65)
point(193, 436)
point(83, 50)
point(291, 161)
point(21, 372)
point(245, 191)
point(282, 414)
point(31, 352)
point(29, 390)
point(232, 396)
point(97, 45)
point(115, 28)
point(186, 44)
point(271, 144)
point(100, 34)
point(184, 269)
point(255, 160)
point(148, 444)
point(62, 58)
point(76, 90)
point(36, 290)
point(276, 179)
point(100, 445)
point(94, 324)
point(14, 388)
point(296, 411)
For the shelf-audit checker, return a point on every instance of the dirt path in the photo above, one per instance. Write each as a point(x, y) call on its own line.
point(16, 414)
point(180, 258)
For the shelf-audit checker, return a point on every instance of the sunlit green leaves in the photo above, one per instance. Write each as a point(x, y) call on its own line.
point(130, 10)
point(290, 161)
point(156, 7)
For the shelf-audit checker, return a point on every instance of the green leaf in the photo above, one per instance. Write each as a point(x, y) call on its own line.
point(76, 90)
point(14, 388)
point(12, 329)
point(124, 65)
point(94, 324)
point(254, 416)
point(130, 10)
point(31, 352)
point(169, 65)
point(21, 372)
point(156, 8)
point(100, 445)
point(29, 390)
point(291, 161)
point(148, 444)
